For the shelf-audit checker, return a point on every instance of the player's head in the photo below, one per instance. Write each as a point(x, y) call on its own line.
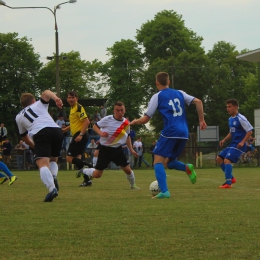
point(27, 99)
point(119, 110)
point(232, 106)
point(72, 98)
point(162, 79)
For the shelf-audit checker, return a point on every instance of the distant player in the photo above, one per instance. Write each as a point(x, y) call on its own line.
point(240, 130)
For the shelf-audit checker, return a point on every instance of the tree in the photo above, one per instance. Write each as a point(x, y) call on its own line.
point(185, 61)
point(19, 66)
point(75, 74)
point(122, 73)
point(227, 80)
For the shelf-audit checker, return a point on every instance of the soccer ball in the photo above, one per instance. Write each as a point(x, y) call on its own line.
point(154, 188)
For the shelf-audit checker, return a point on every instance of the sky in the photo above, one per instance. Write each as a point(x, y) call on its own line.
point(92, 26)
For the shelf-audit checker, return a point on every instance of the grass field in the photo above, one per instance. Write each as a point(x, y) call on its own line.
point(110, 221)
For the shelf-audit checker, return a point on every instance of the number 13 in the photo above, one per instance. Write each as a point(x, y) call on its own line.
point(178, 104)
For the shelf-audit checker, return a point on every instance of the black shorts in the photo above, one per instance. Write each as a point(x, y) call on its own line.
point(110, 154)
point(47, 142)
point(76, 148)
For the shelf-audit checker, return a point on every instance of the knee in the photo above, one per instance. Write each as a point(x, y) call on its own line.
point(219, 160)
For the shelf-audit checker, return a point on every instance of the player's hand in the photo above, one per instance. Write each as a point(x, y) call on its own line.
point(134, 153)
point(221, 143)
point(203, 125)
point(104, 134)
point(241, 144)
point(59, 103)
point(133, 122)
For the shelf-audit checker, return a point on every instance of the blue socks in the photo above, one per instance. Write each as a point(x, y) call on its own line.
point(177, 165)
point(161, 176)
point(228, 173)
point(5, 169)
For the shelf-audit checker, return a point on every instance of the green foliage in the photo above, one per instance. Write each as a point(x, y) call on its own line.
point(19, 66)
point(110, 221)
point(75, 74)
point(123, 72)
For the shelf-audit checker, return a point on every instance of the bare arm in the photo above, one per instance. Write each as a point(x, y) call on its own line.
point(221, 143)
point(130, 147)
point(199, 106)
point(47, 95)
point(28, 141)
point(247, 136)
point(83, 130)
point(142, 120)
point(99, 132)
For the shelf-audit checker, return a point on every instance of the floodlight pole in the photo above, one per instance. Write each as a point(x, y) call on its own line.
point(56, 35)
point(172, 81)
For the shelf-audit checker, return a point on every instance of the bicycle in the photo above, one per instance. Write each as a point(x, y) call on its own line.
point(248, 160)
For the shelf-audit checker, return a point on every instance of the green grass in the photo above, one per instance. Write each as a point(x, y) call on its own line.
point(110, 221)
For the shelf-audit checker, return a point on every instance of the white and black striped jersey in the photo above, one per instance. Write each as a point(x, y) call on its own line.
point(34, 118)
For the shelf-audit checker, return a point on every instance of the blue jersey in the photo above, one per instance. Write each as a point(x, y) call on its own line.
point(238, 127)
point(171, 105)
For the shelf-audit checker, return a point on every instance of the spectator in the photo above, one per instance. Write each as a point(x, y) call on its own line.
point(3, 133)
point(7, 147)
point(143, 159)
point(92, 147)
point(65, 136)
point(60, 121)
point(103, 111)
point(132, 135)
point(96, 116)
point(139, 150)
point(19, 156)
point(151, 150)
point(28, 154)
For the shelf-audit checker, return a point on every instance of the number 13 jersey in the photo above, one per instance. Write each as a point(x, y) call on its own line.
point(171, 105)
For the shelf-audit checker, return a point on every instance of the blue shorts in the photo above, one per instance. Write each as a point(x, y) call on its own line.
point(231, 153)
point(169, 147)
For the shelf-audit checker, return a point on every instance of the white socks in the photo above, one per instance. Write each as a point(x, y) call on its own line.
point(94, 161)
point(131, 178)
point(88, 171)
point(47, 178)
point(54, 169)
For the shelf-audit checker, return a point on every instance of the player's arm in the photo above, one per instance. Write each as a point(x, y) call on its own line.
point(83, 129)
point(142, 120)
point(98, 131)
point(247, 136)
point(47, 95)
point(221, 143)
point(199, 107)
point(130, 147)
point(28, 140)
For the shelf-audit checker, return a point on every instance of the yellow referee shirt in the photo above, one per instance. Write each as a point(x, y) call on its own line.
point(77, 116)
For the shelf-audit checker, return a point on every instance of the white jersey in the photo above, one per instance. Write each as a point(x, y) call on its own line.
point(117, 130)
point(34, 118)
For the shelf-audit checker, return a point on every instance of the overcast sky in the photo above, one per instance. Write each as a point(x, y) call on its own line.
point(91, 26)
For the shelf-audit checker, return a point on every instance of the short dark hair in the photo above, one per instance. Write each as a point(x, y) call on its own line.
point(162, 78)
point(72, 93)
point(232, 101)
point(119, 103)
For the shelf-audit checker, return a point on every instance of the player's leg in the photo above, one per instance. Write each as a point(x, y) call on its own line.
point(12, 178)
point(3, 178)
point(42, 155)
point(177, 146)
point(119, 158)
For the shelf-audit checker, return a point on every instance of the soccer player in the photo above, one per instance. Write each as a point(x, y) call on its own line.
point(114, 132)
point(40, 132)
point(240, 131)
point(78, 127)
point(171, 105)
point(3, 177)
